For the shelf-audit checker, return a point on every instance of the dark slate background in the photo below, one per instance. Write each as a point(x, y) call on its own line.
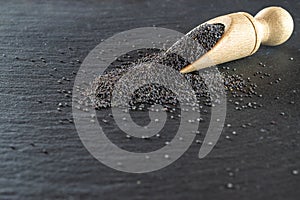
point(41, 155)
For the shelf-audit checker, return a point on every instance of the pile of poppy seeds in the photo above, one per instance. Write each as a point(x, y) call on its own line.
point(206, 36)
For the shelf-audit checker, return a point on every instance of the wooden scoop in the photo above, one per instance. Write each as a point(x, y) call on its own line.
point(243, 35)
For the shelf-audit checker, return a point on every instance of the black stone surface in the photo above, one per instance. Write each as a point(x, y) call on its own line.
point(41, 155)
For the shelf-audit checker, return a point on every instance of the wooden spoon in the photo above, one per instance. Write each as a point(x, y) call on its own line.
point(243, 35)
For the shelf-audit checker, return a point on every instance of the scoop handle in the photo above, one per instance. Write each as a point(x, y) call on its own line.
point(275, 25)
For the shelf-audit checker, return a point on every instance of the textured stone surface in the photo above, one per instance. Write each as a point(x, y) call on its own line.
point(41, 156)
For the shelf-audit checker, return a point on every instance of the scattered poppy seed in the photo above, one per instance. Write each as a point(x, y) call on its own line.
point(45, 151)
point(145, 137)
point(128, 136)
point(13, 148)
point(295, 172)
point(263, 130)
point(229, 186)
point(198, 141)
